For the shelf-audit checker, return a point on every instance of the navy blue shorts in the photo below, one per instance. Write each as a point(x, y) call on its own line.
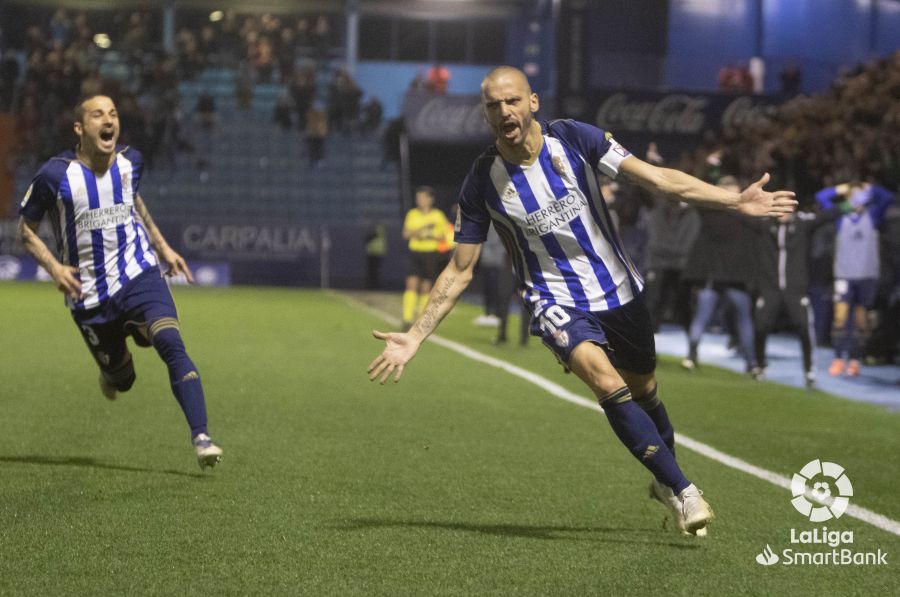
point(624, 333)
point(131, 311)
point(859, 293)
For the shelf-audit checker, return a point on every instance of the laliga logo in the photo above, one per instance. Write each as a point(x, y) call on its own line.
point(829, 495)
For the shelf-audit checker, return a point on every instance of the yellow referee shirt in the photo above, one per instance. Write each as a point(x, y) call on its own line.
point(434, 222)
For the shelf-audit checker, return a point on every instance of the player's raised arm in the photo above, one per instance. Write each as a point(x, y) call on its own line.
point(65, 276)
point(175, 262)
point(401, 348)
point(752, 201)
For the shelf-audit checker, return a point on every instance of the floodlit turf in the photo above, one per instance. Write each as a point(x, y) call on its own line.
point(459, 480)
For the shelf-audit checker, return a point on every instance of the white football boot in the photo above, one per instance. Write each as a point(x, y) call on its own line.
point(208, 453)
point(666, 497)
point(696, 513)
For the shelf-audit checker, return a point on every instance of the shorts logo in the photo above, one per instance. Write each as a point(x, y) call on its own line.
point(561, 338)
point(821, 491)
point(103, 357)
point(620, 150)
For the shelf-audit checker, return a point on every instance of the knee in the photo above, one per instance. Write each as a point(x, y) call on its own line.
point(647, 397)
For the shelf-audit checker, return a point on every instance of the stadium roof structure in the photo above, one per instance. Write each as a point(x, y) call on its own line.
point(431, 9)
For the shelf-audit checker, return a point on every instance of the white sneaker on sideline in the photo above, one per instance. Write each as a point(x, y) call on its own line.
point(208, 453)
point(486, 321)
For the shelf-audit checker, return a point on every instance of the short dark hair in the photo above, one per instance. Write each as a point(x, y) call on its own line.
point(78, 111)
point(425, 189)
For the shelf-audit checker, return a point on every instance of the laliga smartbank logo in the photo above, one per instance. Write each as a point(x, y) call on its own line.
point(821, 491)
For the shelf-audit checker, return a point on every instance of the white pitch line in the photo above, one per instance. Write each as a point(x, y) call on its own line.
point(873, 518)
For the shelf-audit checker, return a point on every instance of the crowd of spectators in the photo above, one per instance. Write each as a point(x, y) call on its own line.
point(845, 135)
point(64, 59)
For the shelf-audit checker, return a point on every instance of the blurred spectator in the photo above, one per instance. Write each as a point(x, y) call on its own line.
point(437, 79)
point(284, 110)
point(243, 87)
point(782, 280)
point(857, 265)
point(721, 267)
point(735, 78)
point(316, 132)
point(391, 140)
point(376, 249)
point(303, 91)
point(372, 111)
point(791, 78)
point(343, 101)
point(671, 232)
point(9, 74)
point(60, 29)
point(287, 53)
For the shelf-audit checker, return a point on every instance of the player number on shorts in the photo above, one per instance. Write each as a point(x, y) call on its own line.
point(553, 318)
point(91, 336)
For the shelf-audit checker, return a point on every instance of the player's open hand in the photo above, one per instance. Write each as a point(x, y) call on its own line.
point(399, 349)
point(176, 264)
point(67, 281)
point(759, 203)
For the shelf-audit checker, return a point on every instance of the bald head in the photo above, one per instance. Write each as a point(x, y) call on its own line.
point(509, 106)
point(509, 75)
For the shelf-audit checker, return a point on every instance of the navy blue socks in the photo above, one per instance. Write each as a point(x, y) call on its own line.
point(637, 430)
point(183, 377)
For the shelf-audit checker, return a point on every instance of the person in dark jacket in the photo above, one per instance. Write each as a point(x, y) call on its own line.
point(782, 281)
point(719, 268)
point(672, 231)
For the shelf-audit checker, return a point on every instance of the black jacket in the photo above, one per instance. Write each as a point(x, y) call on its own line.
point(783, 251)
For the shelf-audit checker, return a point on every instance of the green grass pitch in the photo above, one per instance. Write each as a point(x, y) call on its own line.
point(459, 480)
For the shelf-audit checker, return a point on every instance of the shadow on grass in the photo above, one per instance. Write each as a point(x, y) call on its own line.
point(84, 462)
point(643, 536)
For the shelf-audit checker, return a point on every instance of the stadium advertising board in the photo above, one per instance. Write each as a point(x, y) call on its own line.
point(444, 118)
point(284, 252)
point(676, 120)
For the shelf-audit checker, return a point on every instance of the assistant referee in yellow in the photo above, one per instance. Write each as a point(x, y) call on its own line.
point(425, 228)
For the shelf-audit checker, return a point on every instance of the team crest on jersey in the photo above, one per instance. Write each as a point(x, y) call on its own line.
point(510, 193)
point(561, 338)
point(559, 165)
point(126, 180)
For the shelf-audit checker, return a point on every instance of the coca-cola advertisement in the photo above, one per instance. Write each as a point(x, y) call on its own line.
point(444, 118)
point(675, 120)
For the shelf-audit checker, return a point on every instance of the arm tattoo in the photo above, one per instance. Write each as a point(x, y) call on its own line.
point(28, 233)
point(431, 317)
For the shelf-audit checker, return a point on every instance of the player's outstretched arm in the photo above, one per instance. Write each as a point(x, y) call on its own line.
point(401, 348)
point(174, 262)
point(752, 201)
point(65, 276)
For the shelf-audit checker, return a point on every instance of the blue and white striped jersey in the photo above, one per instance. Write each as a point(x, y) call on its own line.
point(93, 221)
point(553, 220)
